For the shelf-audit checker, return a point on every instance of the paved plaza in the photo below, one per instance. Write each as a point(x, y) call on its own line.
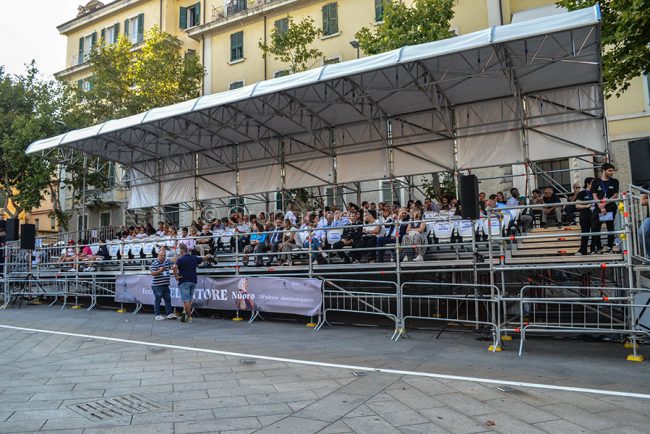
point(142, 382)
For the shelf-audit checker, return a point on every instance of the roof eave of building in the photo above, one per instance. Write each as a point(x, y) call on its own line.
point(97, 13)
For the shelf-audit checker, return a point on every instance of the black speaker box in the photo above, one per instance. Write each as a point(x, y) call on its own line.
point(640, 162)
point(28, 239)
point(12, 230)
point(469, 205)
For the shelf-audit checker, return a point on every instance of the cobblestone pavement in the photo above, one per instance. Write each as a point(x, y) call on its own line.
point(45, 376)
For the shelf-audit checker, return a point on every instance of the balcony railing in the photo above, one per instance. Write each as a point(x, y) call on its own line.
point(233, 7)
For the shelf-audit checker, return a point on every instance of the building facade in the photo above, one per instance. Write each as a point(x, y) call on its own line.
point(225, 34)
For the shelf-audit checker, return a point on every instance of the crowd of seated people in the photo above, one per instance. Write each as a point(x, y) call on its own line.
point(355, 234)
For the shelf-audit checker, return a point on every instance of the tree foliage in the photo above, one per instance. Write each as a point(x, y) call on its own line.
point(31, 109)
point(126, 81)
point(291, 46)
point(424, 21)
point(625, 37)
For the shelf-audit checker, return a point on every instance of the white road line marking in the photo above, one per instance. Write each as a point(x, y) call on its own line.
point(342, 366)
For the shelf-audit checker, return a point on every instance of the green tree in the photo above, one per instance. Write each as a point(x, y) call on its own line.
point(126, 81)
point(625, 37)
point(33, 109)
point(424, 21)
point(291, 45)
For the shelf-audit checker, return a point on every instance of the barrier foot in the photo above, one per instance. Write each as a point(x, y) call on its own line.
point(311, 324)
point(237, 317)
point(76, 306)
point(36, 301)
point(630, 345)
point(506, 338)
point(121, 311)
point(495, 348)
point(635, 358)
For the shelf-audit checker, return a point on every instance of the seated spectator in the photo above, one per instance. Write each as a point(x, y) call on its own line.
point(387, 235)
point(501, 198)
point(536, 199)
point(351, 237)
point(275, 239)
point(415, 238)
point(481, 201)
point(429, 206)
point(444, 203)
point(149, 230)
point(550, 198)
point(570, 210)
point(161, 230)
point(205, 241)
point(142, 233)
point(525, 221)
point(70, 255)
point(186, 239)
point(256, 245)
point(371, 230)
point(289, 243)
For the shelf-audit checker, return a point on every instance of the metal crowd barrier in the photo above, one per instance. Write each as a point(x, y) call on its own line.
point(581, 310)
point(460, 303)
point(369, 297)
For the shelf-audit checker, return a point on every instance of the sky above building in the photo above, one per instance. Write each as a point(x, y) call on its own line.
point(29, 32)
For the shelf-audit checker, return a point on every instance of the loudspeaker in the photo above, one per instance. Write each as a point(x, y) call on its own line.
point(12, 230)
point(469, 205)
point(640, 162)
point(28, 238)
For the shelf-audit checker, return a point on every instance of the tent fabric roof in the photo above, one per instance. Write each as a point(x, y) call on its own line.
point(469, 58)
point(505, 95)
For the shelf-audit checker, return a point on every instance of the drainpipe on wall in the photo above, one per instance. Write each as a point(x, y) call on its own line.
point(265, 44)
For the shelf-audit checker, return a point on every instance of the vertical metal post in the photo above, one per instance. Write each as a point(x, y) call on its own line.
point(83, 196)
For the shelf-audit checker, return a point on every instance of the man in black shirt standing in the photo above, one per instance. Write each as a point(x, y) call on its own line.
point(585, 209)
point(605, 187)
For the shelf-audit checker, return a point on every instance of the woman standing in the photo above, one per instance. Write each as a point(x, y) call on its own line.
point(585, 210)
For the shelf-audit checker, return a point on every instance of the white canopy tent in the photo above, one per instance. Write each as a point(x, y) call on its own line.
point(509, 94)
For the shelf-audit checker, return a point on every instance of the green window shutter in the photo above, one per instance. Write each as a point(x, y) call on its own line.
point(94, 40)
point(126, 28)
point(140, 28)
point(334, 18)
point(183, 18)
point(117, 31)
point(81, 51)
point(103, 36)
point(326, 25)
point(379, 10)
point(80, 84)
point(198, 14)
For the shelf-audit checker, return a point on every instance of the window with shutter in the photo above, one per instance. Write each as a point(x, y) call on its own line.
point(140, 28)
point(282, 26)
point(330, 19)
point(182, 21)
point(379, 10)
point(80, 58)
point(237, 46)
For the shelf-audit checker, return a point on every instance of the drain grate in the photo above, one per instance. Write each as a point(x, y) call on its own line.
point(119, 406)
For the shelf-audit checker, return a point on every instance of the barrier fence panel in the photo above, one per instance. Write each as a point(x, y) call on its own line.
point(639, 213)
point(461, 303)
point(367, 297)
point(582, 310)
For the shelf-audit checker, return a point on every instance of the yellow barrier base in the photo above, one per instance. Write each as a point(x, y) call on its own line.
point(76, 306)
point(311, 324)
point(238, 318)
point(36, 302)
point(633, 358)
point(121, 311)
point(630, 345)
point(506, 338)
point(498, 348)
